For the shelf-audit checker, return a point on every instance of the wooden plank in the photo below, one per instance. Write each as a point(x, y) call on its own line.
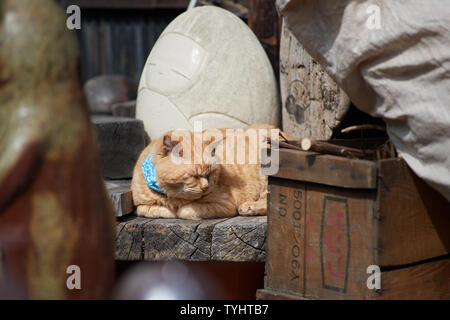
point(121, 197)
point(313, 104)
point(239, 239)
point(168, 239)
point(90, 44)
point(238, 7)
point(266, 294)
point(327, 170)
point(285, 264)
point(421, 282)
point(109, 41)
point(413, 218)
point(339, 242)
point(120, 141)
point(125, 50)
point(234, 239)
point(129, 4)
point(128, 244)
point(264, 22)
point(428, 281)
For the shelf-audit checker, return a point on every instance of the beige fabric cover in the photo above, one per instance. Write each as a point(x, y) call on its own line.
point(399, 71)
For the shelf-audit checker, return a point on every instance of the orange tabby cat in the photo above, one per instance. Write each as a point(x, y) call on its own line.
point(208, 189)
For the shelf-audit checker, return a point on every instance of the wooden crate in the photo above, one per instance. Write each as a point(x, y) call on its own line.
point(331, 217)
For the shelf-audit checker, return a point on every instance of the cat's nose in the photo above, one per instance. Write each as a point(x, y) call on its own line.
point(204, 184)
point(204, 187)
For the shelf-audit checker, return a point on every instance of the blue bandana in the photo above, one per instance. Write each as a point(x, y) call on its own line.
point(148, 169)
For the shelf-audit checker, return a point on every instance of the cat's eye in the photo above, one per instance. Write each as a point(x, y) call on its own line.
point(211, 172)
point(206, 176)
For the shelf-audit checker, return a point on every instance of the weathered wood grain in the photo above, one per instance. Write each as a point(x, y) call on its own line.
point(121, 197)
point(129, 235)
point(285, 269)
point(167, 239)
point(130, 4)
point(427, 281)
point(327, 169)
point(232, 239)
point(340, 228)
point(121, 141)
point(239, 239)
point(313, 104)
point(320, 240)
point(267, 294)
point(413, 218)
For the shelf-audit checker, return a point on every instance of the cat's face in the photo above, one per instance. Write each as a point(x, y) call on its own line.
point(186, 181)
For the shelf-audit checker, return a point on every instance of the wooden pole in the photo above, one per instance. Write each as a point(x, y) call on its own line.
point(363, 127)
point(329, 148)
point(306, 144)
point(264, 21)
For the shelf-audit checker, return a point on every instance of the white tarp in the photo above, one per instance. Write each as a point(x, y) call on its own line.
point(392, 57)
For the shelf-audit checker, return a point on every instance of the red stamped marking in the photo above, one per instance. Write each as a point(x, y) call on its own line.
point(335, 244)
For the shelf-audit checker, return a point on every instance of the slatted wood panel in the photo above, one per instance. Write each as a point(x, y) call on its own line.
point(264, 22)
point(326, 239)
point(118, 42)
point(116, 36)
point(128, 4)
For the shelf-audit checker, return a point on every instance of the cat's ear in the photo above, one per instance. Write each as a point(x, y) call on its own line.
point(167, 145)
point(213, 147)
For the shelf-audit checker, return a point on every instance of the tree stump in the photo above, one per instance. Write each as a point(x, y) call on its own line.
point(237, 239)
point(313, 104)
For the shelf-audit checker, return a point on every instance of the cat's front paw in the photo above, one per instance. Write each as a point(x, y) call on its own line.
point(251, 208)
point(154, 212)
point(188, 212)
